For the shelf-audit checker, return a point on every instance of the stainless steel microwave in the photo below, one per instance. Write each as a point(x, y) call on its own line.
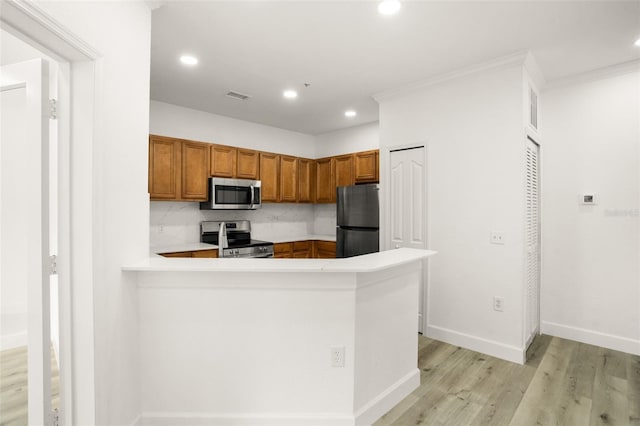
point(233, 194)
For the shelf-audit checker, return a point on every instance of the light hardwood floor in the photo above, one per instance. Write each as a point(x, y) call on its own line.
point(563, 383)
point(14, 387)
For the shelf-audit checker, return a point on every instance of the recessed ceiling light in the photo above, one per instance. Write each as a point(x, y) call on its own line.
point(389, 7)
point(350, 113)
point(188, 60)
point(290, 94)
point(637, 43)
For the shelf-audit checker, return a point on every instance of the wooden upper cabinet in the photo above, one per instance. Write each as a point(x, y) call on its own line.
point(248, 164)
point(344, 170)
point(164, 170)
point(325, 180)
point(366, 166)
point(270, 176)
point(288, 179)
point(195, 170)
point(223, 161)
point(306, 180)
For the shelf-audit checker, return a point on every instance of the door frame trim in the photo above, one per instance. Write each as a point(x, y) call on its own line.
point(80, 63)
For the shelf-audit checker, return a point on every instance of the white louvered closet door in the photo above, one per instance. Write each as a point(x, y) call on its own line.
point(532, 239)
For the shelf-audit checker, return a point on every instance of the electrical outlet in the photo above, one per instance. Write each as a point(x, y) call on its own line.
point(496, 238)
point(498, 303)
point(337, 356)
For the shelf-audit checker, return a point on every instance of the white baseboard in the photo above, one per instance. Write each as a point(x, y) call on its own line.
point(388, 399)
point(367, 415)
point(233, 419)
point(609, 341)
point(478, 344)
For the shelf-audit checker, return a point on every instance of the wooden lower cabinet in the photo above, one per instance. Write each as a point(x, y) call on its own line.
point(178, 254)
point(303, 249)
point(283, 250)
point(325, 249)
point(213, 253)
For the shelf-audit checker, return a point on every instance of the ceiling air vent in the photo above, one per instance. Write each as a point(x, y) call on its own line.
point(238, 96)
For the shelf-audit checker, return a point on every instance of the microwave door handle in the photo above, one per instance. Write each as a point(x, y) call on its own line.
point(252, 196)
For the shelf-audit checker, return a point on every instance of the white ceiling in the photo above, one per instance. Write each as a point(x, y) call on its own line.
point(348, 51)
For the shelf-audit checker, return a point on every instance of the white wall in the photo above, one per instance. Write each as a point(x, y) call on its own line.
point(591, 254)
point(473, 130)
point(172, 120)
point(352, 139)
point(117, 197)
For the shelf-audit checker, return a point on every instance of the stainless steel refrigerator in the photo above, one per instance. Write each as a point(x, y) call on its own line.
point(358, 217)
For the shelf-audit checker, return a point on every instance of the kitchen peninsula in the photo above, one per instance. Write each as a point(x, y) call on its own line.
point(277, 341)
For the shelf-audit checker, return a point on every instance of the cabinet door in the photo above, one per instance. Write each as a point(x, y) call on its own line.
point(213, 253)
point(164, 168)
point(306, 180)
point(325, 249)
point(366, 166)
point(195, 171)
point(248, 163)
point(270, 176)
point(325, 180)
point(282, 250)
point(302, 249)
point(178, 254)
point(344, 170)
point(288, 179)
point(223, 161)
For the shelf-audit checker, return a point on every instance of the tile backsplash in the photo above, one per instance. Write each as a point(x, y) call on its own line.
point(179, 222)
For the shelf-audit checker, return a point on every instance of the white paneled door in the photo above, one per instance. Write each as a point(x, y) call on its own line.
point(407, 206)
point(24, 222)
point(532, 240)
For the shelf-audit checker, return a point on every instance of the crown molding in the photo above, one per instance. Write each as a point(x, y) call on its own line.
point(515, 59)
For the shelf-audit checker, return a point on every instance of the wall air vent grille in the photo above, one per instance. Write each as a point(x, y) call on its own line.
point(238, 96)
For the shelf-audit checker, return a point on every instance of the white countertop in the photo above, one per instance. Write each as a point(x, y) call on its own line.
point(365, 263)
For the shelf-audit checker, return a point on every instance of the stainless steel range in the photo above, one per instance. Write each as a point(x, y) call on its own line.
point(238, 239)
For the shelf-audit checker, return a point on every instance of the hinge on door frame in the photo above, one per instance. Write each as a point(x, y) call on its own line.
point(53, 264)
point(53, 112)
point(55, 417)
